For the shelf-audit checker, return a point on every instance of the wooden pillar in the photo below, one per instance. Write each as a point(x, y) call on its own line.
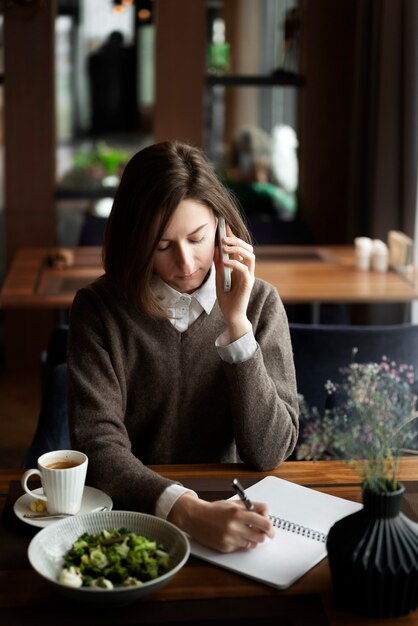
point(325, 115)
point(180, 70)
point(243, 30)
point(29, 166)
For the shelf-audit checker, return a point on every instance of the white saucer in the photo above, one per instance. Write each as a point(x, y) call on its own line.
point(92, 498)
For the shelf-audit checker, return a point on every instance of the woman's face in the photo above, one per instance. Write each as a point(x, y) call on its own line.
point(185, 252)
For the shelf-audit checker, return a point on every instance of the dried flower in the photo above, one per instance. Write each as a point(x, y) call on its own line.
point(369, 422)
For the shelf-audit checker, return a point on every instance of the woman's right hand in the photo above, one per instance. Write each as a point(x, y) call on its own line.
point(234, 303)
point(224, 525)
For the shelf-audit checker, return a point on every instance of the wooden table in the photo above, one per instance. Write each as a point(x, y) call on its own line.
point(200, 592)
point(307, 274)
point(32, 282)
point(328, 274)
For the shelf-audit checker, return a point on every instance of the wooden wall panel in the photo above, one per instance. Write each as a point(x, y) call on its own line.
point(325, 116)
point(180, 70)
point(29, 166)
point(29, 125)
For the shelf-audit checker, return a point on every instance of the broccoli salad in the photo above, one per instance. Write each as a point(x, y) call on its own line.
point(115, 558)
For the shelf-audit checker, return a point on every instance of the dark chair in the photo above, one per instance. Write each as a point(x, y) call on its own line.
point(92, 231)
point(52, 432)
point(55, 354)
point(279, 232)
point(321, 350)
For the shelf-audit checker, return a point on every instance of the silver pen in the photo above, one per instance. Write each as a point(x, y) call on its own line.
point(238, 488)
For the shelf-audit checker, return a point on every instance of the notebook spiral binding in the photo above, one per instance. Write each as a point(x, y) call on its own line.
point(292, 527)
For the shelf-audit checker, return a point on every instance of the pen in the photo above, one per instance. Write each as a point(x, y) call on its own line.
point(238, 488)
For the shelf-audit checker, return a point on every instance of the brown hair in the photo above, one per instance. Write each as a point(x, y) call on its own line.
point(153, 184)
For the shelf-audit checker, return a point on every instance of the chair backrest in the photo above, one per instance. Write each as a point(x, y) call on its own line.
point(52, 431)
point(279, 232)
point(55, 354)
point(320, 351)
point(92, 231)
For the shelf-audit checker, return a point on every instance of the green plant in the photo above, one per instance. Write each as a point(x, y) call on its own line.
point(368, 424)
point(104, 157)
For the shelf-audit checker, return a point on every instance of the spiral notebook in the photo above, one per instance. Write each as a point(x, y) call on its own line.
point(302, 518)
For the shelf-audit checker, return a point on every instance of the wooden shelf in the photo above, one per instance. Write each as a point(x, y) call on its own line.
point(278, 78)
point(84, 193)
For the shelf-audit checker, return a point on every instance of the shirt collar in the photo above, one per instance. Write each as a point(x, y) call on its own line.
point(205, 295)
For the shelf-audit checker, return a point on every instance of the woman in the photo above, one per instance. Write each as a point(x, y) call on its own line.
point(164, 366)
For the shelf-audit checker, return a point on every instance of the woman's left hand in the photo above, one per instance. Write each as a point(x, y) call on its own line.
point(235, 302)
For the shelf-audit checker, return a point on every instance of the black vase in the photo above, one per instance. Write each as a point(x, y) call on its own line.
point(373, 557)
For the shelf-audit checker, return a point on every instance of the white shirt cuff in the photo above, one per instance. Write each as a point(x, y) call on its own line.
point(238, 351)
point(169, 497)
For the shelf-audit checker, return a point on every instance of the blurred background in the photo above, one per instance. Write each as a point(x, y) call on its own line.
point(306, 108)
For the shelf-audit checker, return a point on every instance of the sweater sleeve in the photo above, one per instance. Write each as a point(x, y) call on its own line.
point(97, 403)
point(263, 388)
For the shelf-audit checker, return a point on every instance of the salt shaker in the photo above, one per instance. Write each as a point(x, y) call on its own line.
point(380, 256)
point(363, 252)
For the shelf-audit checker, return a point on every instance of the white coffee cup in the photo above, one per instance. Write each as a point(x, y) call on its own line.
point(63, 475)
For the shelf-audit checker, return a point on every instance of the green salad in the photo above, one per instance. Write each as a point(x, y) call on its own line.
point(119, 557)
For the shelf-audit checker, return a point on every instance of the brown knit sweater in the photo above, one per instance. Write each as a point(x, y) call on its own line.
point(142, 393)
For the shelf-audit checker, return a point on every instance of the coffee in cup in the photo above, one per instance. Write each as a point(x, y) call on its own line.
point(61, 465)
point(63, 476)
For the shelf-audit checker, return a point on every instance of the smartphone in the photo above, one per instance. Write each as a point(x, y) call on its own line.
point(224, 255)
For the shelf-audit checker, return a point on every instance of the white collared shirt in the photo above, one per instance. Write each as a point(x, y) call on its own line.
point(183, 309)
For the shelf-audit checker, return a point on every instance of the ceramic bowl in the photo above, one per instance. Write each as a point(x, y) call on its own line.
point(48, 547)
